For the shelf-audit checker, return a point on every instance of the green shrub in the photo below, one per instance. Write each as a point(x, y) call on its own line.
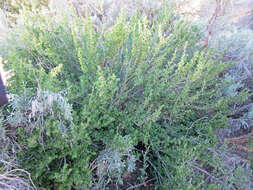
point(151, 82)
point(53, 148)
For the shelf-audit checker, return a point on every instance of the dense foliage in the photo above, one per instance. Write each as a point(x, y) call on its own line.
point(91, 102)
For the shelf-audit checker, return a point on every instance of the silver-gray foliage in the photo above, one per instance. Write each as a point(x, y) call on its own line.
point(30, 110)
point(113, 162)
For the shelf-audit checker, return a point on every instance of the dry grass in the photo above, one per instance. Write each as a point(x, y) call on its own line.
point(15, 179)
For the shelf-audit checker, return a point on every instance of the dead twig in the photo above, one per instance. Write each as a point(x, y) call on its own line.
point(211, 21)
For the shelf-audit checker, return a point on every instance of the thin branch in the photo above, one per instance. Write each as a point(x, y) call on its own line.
point(139, 185)
point(210, 175)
